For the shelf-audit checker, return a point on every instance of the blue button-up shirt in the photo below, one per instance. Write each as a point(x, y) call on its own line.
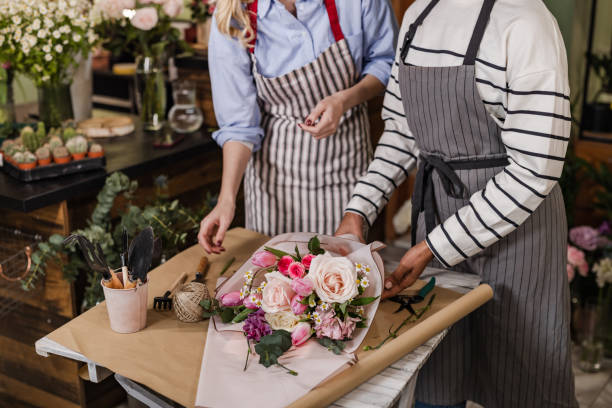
point(285, 43)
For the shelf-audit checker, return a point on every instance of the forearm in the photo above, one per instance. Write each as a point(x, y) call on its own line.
point(364, 90)
point(235, 158)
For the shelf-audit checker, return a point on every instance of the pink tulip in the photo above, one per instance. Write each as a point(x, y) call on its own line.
point(263, 259)
point(307, 260)
point(296, 307)
point(231, 299)
point(300, 334)
point(296, 270)
point(302, 287)
point(283, 264)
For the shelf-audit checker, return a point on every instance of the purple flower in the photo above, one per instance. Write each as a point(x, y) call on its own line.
point(6, 65)
point(255, 326)
point(585, 237)
point(605, 228)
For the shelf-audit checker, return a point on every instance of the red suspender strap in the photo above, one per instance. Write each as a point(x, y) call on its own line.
point(252, 7)
point(332, 13)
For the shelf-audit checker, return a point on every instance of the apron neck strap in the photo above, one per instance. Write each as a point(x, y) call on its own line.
point(252, 8)
point(481, 25)
point(332, 14)
point(413, 28)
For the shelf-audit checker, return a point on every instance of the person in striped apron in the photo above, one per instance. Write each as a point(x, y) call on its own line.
point(290, 81)
point(479, 98)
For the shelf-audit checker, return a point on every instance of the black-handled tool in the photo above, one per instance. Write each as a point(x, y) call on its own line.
point(165, 302)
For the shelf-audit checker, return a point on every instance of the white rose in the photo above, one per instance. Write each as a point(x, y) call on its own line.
point(173, 8)
point(145, 18)
point(282, 320)
point(277, 294)
point(334, 278)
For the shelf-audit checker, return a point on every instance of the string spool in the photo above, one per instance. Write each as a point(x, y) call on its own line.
point(187, 302)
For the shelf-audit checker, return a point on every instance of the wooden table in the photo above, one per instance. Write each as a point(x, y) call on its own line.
point(394, 385)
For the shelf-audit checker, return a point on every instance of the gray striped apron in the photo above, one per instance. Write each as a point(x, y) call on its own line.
point(294, 182)
point(515, 350)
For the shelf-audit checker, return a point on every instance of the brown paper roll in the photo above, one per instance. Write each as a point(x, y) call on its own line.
point(371, 364)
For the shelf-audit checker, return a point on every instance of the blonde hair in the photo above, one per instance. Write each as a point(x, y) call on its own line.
point(229, 12)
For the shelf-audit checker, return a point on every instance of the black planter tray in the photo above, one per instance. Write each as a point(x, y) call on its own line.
point(54, 170)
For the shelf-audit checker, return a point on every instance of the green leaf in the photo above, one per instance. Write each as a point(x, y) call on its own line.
point(205, 303)
point(297, 253)
point(361, 325)
point(314, 246)
point(335, 346)
point(277, 252)
point(272, 346)
point(207, 315)
point(343, 307)
point(36, 257)
point(227, 315)
point(242, 315)
point(363, 301)
point(43, 246)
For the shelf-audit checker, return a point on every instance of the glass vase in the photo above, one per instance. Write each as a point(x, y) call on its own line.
point(7, 99)
point(184, 116)
point(54, 103)
point(604, 331)
point(591, 346)
point(151, 92)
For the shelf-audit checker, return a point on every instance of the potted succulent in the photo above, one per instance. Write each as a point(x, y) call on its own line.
point(12, 150)
point(68, 134)
point(43, 154)
point(25, 160)
point(30, 139)
point(61, 155)
point(96, 150)
point(54, 142)
point(77, 146)
point(5, 145)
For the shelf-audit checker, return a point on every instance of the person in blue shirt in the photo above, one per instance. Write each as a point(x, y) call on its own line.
point(290, 81)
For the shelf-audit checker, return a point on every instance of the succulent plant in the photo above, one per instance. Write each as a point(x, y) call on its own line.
point(6, 144)
point(68, 134)
point(54, 132)
point(54, 142)
point(26, 129)
point(11, 149)
point(60, 152)
point(77, 144)
point(30, 140)
point(29, 157)
point(18, 157)
point(41, 133)
point(43, 153)
point(96, 148)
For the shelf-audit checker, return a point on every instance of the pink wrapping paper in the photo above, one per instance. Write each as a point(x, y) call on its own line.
point(225, 351)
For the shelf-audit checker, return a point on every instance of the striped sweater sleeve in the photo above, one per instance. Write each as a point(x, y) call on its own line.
point(394, 157)
point(535, 134)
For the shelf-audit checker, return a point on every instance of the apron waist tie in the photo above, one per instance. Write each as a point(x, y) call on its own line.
point(424, 198)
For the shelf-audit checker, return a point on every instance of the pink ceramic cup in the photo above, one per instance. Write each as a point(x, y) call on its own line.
point(127, 308)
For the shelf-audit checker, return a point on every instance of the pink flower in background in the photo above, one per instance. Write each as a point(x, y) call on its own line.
point(334, 328)
point(283, 264)
point(277, 294)
point(576, 258)
point(301, 333)
point(6, 65)
point(255, 326)
point(296, 270)
point(334, 278)
point(296, 307)
point(145, 18)
point(302, 287)
point(250, 302)
point(231, 299)
point(585, 237)
point(307, 260)
point(173, 8)
point(570, 273)
point(263, 259)
point(114, 8)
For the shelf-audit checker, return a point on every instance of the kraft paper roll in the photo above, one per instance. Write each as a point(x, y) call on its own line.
point(371, 363)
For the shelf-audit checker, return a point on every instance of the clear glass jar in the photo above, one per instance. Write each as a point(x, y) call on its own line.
point(184, 116)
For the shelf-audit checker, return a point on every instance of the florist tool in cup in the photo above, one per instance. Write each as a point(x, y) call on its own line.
point(95, 260)
point(139, 255)
point(127, 308)
point(165, 302)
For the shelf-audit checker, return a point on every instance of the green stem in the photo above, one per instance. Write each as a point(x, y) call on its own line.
point(246, 363)
point(227, 265)
point(289, 371)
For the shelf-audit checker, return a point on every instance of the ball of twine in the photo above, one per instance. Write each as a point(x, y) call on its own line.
point(187, 302)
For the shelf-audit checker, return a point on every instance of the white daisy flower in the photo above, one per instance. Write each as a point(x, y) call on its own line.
point(46, 48)
point(48, 57)
point(359, 311)
point(365, 282)
point(315, 315)
point(324, 306)
point(16, 20)
point(312, 303)
point(318, 320)
point(59, 48)
point(56, 34)
point(76, 37)
point(244, 292)
point(367, 269)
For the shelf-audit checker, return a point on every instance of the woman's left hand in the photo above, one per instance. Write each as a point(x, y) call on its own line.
point(410, 268)
point(328, 112)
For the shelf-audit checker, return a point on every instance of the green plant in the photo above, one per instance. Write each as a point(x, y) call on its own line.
point(41, 133)
point(54, 142)
point(30, 140)
point(96, 148)
point(60, 152)
point(68, 134)
point(77, 144)
point(19, 157)
point(602, 65)
point(43, 153)
point(603, 177)
point(175, 224)
point(28, 157)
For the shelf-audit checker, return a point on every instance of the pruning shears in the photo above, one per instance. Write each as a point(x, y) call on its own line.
point(406, 301)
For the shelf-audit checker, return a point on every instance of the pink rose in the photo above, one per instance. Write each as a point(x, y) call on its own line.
point(307, 260)
point(334, 328)
point(300, 334)
point(302, 287)
point(231, 299)
point(173, 8)
point(145, 18)
point(277, 294)
point(283, 264)
point(583, 269)
point(251, 301)
point(263, 259)
point(585, 237)
point(296, 270)
point(296, 307)
point(570, 273)
point(577, 259)
point(334, 278)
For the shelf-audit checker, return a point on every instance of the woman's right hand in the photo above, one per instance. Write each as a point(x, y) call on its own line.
point(214, 226)
point(351, 224)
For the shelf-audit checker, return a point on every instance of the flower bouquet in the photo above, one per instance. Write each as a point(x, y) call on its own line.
point(46, 40)
point(298, 305)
